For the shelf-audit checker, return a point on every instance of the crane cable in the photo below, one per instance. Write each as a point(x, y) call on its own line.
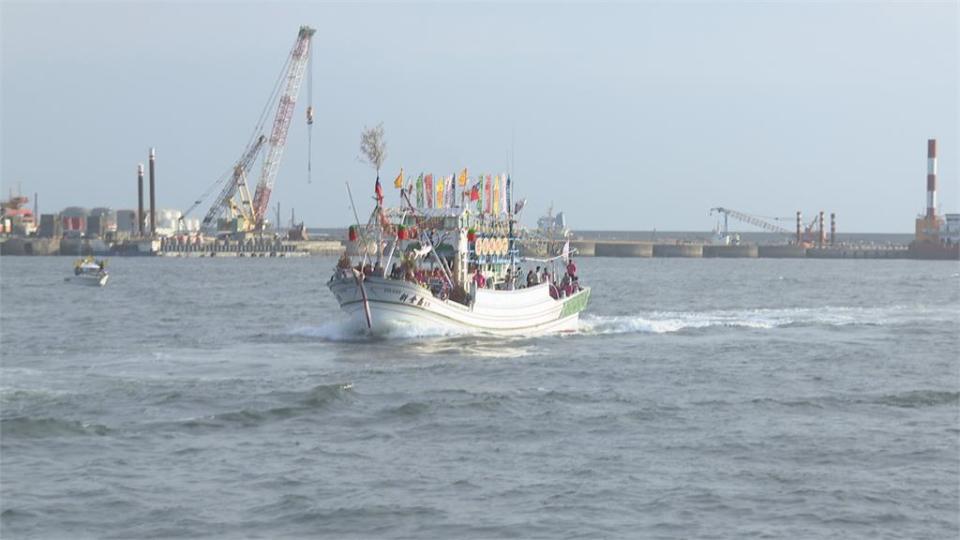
point(309, 117)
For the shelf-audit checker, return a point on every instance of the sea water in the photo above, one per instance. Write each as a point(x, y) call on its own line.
point(701, 398)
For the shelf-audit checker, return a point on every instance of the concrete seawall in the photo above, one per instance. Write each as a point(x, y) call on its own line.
point(781, 252)
point(743, 251)
point(585, 248)
point(623, 249)
point(678, 250)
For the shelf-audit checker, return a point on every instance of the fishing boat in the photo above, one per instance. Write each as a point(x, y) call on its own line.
point(87, 271)
point(455, 267)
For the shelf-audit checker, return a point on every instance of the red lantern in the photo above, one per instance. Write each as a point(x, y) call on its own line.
point(352, 233)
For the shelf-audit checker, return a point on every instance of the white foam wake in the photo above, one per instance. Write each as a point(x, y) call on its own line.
point(341, 330)
point(661, 322)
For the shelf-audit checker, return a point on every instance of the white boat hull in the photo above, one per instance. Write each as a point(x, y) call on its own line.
point(399, 306)
point(91, 280)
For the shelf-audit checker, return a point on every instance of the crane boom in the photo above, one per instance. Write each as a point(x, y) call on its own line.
point(237, 184)
point(281, 123)
point(752, 220)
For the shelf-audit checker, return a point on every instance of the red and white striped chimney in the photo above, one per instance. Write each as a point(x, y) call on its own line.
point(931, 178)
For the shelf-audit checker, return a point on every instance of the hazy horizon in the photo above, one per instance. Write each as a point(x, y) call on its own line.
point(625, 116)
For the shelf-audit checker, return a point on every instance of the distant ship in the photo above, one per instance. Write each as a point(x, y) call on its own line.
point(548, 239)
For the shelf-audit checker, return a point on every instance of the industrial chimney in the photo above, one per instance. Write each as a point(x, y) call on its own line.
point(833, 228)
point(153, 199)
point(823, 233)
point(799, 228)
point(140, 199)
point(931, 178)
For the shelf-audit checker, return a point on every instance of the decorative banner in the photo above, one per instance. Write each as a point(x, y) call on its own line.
point(398, 181)
point(440, 182)
point(504, 207)
point(487, 195)
point(420, 191)
point(428, 184)
point(463, 178)
point(452, 191)
point(475, 195)
point(509, 194)
point(496, 194)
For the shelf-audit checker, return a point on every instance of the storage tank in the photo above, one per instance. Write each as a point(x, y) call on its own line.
point(168, 221)
point(108, 219)
point(74, 220)
point(127, 221)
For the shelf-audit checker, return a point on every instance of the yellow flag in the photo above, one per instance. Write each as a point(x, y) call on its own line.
point(462, 180)
point(398, 181)
point(440, 194)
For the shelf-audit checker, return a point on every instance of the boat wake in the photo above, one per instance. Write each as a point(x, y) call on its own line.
point(663, 322)
point(338, 331)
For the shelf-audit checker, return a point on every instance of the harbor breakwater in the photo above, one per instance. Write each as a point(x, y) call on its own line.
point(642, 249)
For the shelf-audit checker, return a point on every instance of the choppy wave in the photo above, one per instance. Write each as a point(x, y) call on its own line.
point(661, 322)
point(30, 427)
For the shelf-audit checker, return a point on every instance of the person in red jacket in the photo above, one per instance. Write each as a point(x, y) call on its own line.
point(571, 269)
point(479, 279)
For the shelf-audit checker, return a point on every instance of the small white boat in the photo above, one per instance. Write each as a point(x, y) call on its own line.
point(89, 272)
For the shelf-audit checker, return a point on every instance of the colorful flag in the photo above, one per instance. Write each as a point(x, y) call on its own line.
point(509, 194)
point(452, 190)
point(379, 192)
point(488, 194)
point(496, 194)
point(398, 181)
point(440, 182)
point(429, 187)
point(463, 178)
point(420, 191)
point(517, 208)
point(477, 195)
point(503, 194)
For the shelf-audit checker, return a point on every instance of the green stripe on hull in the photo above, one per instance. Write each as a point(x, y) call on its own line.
point(576, 303)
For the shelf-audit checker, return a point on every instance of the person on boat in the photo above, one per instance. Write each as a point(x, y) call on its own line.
point(571, 268)
point(545, 277)
point(478, 279)
point(508, 284)
point(536, 276)
point(531, 281)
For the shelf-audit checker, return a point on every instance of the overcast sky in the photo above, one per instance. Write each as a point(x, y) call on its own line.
point(633, 116)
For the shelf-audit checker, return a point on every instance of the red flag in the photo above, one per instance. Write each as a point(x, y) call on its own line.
point(379, 191)
point(475, 193)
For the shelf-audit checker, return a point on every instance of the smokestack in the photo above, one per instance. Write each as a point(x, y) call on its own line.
point(931, 178)
point(833, 227)
point(140, 199)
point(823, 233)
point(153, 199)
point(799, 228)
